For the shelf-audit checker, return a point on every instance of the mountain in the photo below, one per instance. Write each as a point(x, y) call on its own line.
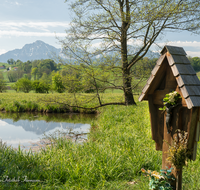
point(39, 127)
point(36, 50)
point(41, 50)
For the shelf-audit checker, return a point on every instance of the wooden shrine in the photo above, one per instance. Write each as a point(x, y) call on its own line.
point(173, 72)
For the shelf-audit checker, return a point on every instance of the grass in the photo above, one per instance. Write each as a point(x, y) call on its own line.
point(118, 146)
point(20, 102)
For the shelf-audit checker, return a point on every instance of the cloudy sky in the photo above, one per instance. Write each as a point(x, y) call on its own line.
point(25, 21)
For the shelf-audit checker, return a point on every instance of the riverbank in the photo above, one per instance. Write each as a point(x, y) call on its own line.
point(54, 103)
point(118, 146)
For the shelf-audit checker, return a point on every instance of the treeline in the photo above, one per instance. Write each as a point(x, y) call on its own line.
point(43, 76)
point(195, 62)
point(36, 69)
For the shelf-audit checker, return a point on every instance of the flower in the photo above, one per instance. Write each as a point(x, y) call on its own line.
point(143, 170)
point(159, 180)
point(170, 99)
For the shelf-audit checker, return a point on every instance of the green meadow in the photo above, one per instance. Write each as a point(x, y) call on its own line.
point(118, 146)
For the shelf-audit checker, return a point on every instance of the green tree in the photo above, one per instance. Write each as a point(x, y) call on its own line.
point(34, 72)
point(3, 86)
point(57, 83)
point(40, 86)
point(116, 23)
point(13, 76)
point(15, 87)
point(11, 61)
point(1, 76)
point(195, 62)
point(24, 85)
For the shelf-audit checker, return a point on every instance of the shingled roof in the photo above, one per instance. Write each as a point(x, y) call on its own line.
point(182, 70)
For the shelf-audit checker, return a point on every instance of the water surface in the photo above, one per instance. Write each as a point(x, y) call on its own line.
point(26, 129)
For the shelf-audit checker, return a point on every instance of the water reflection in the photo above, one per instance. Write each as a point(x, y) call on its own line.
point(27, 128)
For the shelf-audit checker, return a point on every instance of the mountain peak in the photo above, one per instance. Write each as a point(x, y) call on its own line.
point(32, 51)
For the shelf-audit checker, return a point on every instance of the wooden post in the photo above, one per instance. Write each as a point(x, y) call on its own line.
point(179, 179)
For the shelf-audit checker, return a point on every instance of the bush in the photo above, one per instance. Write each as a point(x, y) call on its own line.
point(2, 86)
point(40, 87)
point(24, 85)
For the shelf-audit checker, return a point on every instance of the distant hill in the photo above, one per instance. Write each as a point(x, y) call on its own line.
point(41, 50)
point(36, 50)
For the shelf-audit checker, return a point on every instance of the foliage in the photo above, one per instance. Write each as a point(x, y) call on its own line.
point(24, 85)
point(159, 181)
point(11, 61)
point(178, 153)
point(195, 62)
point(40, 86)
point(3, 86)
point(15, 87)
point(57, 83)
point(171, 99)
point(13, 76)
point(1, 76)
point(34, 72)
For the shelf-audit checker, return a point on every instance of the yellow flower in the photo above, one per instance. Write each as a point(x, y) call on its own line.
point(143, 170)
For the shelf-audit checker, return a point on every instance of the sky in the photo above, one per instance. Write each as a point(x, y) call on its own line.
point(25, 21)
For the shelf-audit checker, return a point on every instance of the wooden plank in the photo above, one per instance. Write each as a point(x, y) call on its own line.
point(141, 97)
point(182, 99)
point(189, 103)
point(187, 80)
point(150, 79)
point(194, 151)
point(195, 101)
point(192, 128)
point(182, 69)
point(174, 50)
point(155, 69)
point(145, 88)
point(177, 59)
point(160, 60)
point(158, 96)
point(197, 131)
point(159, 77)
point(190, 91)
point(153, 117)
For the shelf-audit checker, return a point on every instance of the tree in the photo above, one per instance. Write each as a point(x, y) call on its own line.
point(195, 62)
point(34, 72)
point(11, 61)
point(13, 76)
point(40, 86)
point(3, 86)
point(24, 85)
point(57, 83)
point(116, 23)
point(1, 76)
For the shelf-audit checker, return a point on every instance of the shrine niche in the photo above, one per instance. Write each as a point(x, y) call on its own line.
point(173, 72)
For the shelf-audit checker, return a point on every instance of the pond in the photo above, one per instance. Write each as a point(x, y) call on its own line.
point(27, 129)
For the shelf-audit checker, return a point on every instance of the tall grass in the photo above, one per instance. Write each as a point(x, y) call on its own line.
point(118, 146)
point(56, 103)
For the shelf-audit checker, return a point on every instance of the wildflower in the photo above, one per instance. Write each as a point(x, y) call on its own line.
point(143, 170)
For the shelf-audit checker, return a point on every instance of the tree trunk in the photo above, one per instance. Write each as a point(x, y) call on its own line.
point(128, 94)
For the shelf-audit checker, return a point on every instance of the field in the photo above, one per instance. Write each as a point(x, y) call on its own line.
point(119, 145)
